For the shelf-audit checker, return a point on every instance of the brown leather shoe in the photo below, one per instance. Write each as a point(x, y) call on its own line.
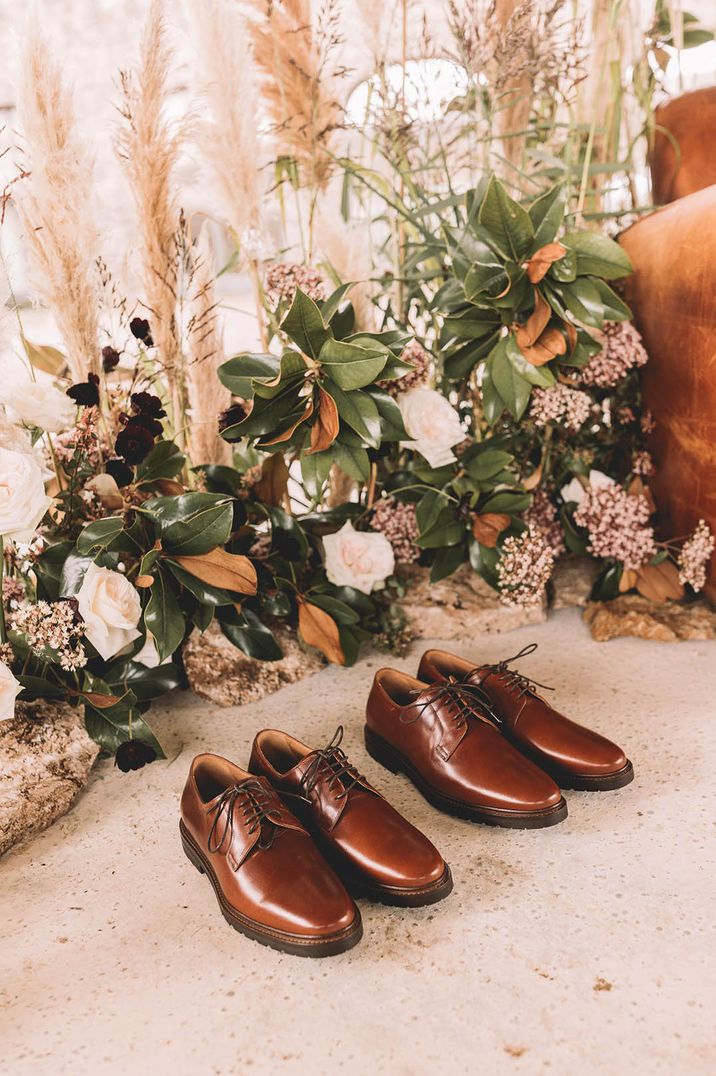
point(270, 879)
point(573, 755)
point(446, 743)
point(376, 851)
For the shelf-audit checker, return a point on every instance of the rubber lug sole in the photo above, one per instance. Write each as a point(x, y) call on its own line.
point(393, 760)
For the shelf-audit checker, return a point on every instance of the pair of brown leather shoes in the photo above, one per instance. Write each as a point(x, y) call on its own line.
point(289, 843)
point(480, 742)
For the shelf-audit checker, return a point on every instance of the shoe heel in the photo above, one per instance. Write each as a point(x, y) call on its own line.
point(191, 854)
point(381, 751)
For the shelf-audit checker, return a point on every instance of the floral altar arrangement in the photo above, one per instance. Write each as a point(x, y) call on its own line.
point(466, 393)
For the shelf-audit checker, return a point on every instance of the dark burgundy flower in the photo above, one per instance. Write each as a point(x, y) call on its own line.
point(120, 472)
point(152, 425)
point(139, 327)
point(236, 413)
point(144, 403)
point(133, 754)
point(134, 443)
point(110, 359)
point(85, 393)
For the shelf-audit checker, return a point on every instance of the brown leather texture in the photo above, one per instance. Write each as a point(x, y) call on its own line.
point(456, 751)
point(529, 721)
point(673, 295)
point(683, 154)
point(272, 873)
point(346, 814)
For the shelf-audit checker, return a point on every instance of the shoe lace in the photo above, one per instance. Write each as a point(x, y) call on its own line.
point(460, 699)
point(512, 678)
point(331, 762)
point(256, 806)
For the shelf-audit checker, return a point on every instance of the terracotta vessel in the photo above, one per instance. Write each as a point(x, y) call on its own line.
point(683, 156)
point(673, 295)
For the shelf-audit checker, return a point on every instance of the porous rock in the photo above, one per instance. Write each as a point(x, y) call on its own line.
point(220, 672)
point(45, 759)
point(572, 581)
point(630, 614)
point(463, 605)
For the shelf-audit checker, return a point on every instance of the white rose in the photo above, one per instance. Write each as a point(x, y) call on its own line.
point(360, 559)
point(38, 403)
point(9, 690)
point(23, 501)
point(574, 490)
point(148, 656)
point(110, 608)
point(433, 425)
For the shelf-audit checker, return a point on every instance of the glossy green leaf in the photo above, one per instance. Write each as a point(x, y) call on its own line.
point(506, 221)
point(163, 616)
point(165, 460)
point(598, 255)
point(237, 374)
point(249, 634)
point(304, 324)
point(352, 365)
point(99, 534)
point(360, 412)
point(512, 387)
point(352, 459)
point(447, 561)
point(193, 523)
point(391, 419)
point(547, 214)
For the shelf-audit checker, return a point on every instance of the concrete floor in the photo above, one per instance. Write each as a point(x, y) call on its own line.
point(585, 948)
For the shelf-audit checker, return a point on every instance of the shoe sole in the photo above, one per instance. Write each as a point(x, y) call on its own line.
point(592, 783)
point(297, 945)
point(394, 761)
point(360, 885)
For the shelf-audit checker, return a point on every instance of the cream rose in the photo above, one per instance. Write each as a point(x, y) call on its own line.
point(38, 403)
point(110, 608)
point(574, 490)
point(9, 690)
point(360, 559)
point(433, 425)
point(23, 501)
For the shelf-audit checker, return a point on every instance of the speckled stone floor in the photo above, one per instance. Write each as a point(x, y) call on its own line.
point(585, 948)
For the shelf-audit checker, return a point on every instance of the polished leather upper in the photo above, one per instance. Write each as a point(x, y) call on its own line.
point(455, 747)
point(529, 721)
point(270, 871)
point(344, 810)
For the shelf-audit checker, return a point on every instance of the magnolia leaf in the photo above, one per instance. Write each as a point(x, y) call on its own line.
point(628, 580)
point(325, 429)
point(550, 344)
point(359, 410)
point(237, 374)
point(288, 433)
point(547, 214)
point(598, 255)
point(506, 221)
point(659, 582)
point(352, 366)
point(272, 486)
point(143, 581)
point(319, 629)
point(486, 528)
point(227, 571)
point(45, 358)
point(164, 618)
point(539, 263)
point(638, 488)
point(304, 324)
point(536, 323)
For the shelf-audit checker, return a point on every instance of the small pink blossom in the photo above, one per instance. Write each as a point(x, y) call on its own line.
point(543, 516)
point(695, 555)
point(559, 403)
point(283, 279)
point(524, 568)
point(617, 524)
point(396, 520)
point(622, 351)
